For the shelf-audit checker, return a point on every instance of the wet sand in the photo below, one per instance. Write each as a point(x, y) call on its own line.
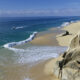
point(27, 72)
point(37, 72)
point(47, 38)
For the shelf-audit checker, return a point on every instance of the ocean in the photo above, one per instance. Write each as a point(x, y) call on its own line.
point(17, 29)
point(21, 30)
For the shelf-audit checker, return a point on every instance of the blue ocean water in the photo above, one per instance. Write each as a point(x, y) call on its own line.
point(20, 28)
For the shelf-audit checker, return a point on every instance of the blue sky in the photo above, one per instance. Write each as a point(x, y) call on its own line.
point(39, 8)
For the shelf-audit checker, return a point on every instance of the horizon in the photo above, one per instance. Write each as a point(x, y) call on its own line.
point(36, 16)
point(30, 8)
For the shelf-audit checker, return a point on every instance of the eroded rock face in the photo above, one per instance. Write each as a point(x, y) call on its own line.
point(75, 42)
point(70, 63)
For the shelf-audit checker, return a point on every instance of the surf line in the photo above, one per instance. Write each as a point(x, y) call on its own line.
point(12, 44)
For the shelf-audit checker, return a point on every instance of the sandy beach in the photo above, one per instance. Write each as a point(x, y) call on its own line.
point(73, 29)
point(44, 71)
point(47, 38)
point(52, 36)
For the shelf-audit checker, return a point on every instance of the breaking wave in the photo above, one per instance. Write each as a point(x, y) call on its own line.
point(19, 27)
point(12, 44)
point(65, 24)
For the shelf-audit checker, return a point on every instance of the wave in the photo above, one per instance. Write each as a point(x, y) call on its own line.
point(12, 44)
point(15, 28)
point(27, 79)
point(65, 24)
point(72, 22)
point(68, 23)
point(34, 54)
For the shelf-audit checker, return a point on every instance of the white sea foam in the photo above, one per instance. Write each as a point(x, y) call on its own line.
point(33, 53)
point(59, 27)
point(75, 21)
point(30, 55)
point(72, 22)
point(37, 53)
point(65, 24)
point(18, 27)
point(12, 44)
point(27, 79)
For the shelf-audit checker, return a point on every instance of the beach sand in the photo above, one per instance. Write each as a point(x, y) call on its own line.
point(52, 36)
point(43, 72)
point(47, 38)
point(73, 29)
point(26, 72)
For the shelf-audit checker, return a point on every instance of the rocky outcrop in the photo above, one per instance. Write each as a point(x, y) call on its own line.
point(69, 64)
point(75, 41)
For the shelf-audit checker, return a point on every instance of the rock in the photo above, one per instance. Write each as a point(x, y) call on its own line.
point(75, 41)
point(64, 34)
point(70, 62)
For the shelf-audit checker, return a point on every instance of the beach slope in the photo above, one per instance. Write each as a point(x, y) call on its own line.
point(73, 29)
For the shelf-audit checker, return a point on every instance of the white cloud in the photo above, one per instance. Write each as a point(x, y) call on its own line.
point(27, 12)
point(60, 12)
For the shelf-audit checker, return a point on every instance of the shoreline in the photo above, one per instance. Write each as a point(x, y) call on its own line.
point(37, 72)
point(73, 29)
point(47, 38)
point(47, 67)
point(51, 37)
point(44, 69)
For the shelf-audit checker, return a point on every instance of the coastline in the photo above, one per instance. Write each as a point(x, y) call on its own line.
point(73, 29)
point(47, 38)
point(52, 37)
point(37, 57)
point(47, 68)
point(43, 69)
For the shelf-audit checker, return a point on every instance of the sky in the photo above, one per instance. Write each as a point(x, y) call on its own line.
point(22, 8)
